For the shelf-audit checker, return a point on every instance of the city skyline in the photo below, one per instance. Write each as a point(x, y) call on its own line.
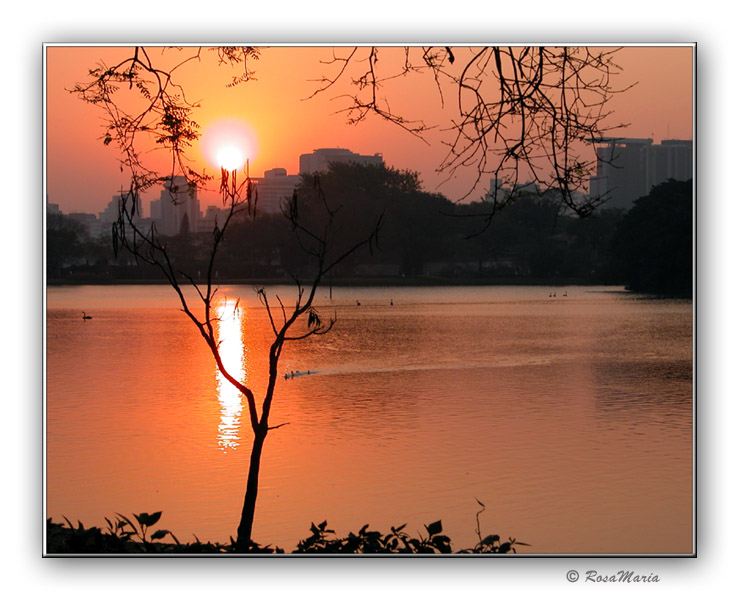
point(168, 208)
point(284, 122)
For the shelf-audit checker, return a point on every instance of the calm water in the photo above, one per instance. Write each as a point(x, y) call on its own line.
point(570, 418)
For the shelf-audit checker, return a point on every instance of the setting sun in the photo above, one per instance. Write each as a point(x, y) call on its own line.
point(230, 157)
point(228, 143)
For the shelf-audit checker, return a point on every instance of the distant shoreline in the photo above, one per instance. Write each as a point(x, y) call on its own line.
point(382, 282)
point(348, 282)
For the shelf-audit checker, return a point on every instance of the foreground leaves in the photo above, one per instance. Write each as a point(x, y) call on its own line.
point(123, 536)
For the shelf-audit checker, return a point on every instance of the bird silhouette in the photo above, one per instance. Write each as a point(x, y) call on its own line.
point(85, 316)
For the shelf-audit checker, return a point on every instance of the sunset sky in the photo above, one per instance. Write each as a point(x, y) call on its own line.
point(280, 122)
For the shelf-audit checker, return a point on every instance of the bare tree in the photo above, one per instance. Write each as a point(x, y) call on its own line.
point(147, 109)
point(531, 112)
point(165, 117)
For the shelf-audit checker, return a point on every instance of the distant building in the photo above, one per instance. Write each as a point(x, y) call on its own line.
point(620, 172)
point(213, 215)
point(628, 168)
point(273, 188)
point(110, 214)
point(500, 191)
point(321, 158)
point(672, 159)
point(178, 207)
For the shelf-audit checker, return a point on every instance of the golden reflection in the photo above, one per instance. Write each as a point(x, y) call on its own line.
point(233, 355)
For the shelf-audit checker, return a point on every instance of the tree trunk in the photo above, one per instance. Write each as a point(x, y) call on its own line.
point(243, 535)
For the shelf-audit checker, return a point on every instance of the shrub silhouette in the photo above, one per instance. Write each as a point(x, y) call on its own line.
point(131, 536)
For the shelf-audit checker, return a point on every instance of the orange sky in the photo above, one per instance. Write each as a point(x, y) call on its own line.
point(83, 174)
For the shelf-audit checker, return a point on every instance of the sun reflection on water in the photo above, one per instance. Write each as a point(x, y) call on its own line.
point(233, 354)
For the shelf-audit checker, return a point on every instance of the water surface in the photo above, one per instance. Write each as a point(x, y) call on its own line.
point(570, 417)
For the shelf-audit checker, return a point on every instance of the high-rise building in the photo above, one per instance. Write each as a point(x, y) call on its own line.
point(628, 168)
point(619, 176)
point(321, 158)
point(110, 214)
point(177, 208)
point(273, 188)
point(213, 215)
point(672, 159)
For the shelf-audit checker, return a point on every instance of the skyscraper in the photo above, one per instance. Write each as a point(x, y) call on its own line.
point(320, 159)
point(628, 168)
point(672, 159)
point(178, 207)
point(273, 188)
point(110, 214)
point(620, 173)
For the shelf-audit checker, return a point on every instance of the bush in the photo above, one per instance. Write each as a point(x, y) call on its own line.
point(124, 536)
point(652, 250)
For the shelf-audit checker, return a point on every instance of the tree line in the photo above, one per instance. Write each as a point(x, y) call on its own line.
point(424, 237)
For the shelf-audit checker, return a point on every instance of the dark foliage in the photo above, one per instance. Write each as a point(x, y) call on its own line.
point(127, 536)
point(424, 235)
point(65, 241)
point(531, 239)
point(652, 249)
point(366, 541)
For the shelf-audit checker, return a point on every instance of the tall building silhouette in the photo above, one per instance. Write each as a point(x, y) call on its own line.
point(320, 159)
point(672, 159)
point(110, 214)
point(628, 168)
point(273, 188)
point(177, 208)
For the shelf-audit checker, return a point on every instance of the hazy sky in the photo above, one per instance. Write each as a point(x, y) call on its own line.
point(83, 174)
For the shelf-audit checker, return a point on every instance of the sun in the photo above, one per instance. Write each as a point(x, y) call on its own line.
point(230, 157)
point(228, 143)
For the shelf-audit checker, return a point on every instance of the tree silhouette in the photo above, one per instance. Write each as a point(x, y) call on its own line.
point(185, 225)
point(167, 121)
point(65, 239)
point(316, 240)
point(652, 249)
point(520, 113)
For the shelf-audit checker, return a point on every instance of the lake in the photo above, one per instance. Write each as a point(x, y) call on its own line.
point(570, 417)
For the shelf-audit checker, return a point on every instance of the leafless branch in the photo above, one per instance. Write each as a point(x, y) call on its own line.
point(529, 112)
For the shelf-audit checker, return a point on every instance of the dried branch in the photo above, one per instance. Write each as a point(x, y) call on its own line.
point(530, 113)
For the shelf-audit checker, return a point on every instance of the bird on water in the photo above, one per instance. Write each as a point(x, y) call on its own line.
point(85, 316)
